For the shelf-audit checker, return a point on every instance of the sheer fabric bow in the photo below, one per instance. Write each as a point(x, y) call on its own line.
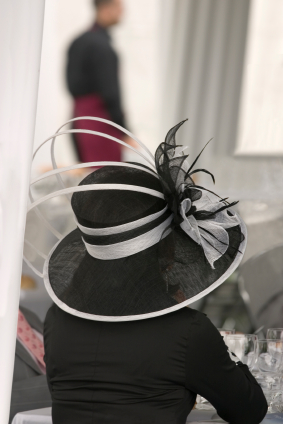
point(208, 232)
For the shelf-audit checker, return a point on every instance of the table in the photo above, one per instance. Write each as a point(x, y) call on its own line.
point(37, 416)
point(43, 416)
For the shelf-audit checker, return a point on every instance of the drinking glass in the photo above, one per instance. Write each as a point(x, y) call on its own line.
point(269, 357)
point(243, 346)
point(274, 333)
point(225, 332)
point(269, 354)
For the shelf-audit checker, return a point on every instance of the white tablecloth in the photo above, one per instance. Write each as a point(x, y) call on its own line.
point(37, 416)
point(199, 417)
point(43, 416)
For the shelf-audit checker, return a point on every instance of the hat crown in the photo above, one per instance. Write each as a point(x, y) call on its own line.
point(108, 208)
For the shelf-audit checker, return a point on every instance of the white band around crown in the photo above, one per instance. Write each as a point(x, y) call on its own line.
point(132, 246)
point(120, 228)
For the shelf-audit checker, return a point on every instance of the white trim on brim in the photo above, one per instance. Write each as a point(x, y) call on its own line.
point(105, 318)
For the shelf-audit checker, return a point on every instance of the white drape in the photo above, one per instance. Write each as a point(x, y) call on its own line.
point(21, 24)
point(202, 46)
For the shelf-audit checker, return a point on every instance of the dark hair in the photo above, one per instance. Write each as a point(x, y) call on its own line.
point(98, 3)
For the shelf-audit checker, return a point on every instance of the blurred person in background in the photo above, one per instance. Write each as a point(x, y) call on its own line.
point(92, 77)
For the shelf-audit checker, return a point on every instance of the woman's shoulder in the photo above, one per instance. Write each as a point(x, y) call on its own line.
point(56, 315)
point(199, 320)
point(185, 321)
point(190, 316)
point(193, 323)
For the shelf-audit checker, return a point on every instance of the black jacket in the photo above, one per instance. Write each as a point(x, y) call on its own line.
point(92, 68)
point(146, 371)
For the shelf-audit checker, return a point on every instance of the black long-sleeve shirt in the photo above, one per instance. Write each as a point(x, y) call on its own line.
point(92, 68)
point(146, 371)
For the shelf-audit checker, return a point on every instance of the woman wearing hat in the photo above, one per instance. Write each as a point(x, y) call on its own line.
point(121, 345)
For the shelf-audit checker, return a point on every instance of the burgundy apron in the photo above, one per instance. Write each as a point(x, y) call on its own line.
point(93, 148)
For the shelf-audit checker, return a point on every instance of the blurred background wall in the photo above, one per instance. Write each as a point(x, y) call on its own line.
point(209, 47)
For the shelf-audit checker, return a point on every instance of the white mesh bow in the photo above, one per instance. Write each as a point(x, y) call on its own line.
point(209, 233)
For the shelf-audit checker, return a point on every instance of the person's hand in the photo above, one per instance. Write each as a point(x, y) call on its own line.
point(233, 357)
point(131, 142)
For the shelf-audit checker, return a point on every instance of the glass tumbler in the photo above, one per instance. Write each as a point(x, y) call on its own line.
point(269, 353)
point(244, 347)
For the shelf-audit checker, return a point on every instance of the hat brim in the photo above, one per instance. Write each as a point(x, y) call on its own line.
point(148, 301)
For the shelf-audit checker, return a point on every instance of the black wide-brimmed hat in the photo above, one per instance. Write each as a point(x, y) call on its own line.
point(148, 240)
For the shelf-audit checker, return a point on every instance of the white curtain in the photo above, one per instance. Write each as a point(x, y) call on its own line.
point(202, 45)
